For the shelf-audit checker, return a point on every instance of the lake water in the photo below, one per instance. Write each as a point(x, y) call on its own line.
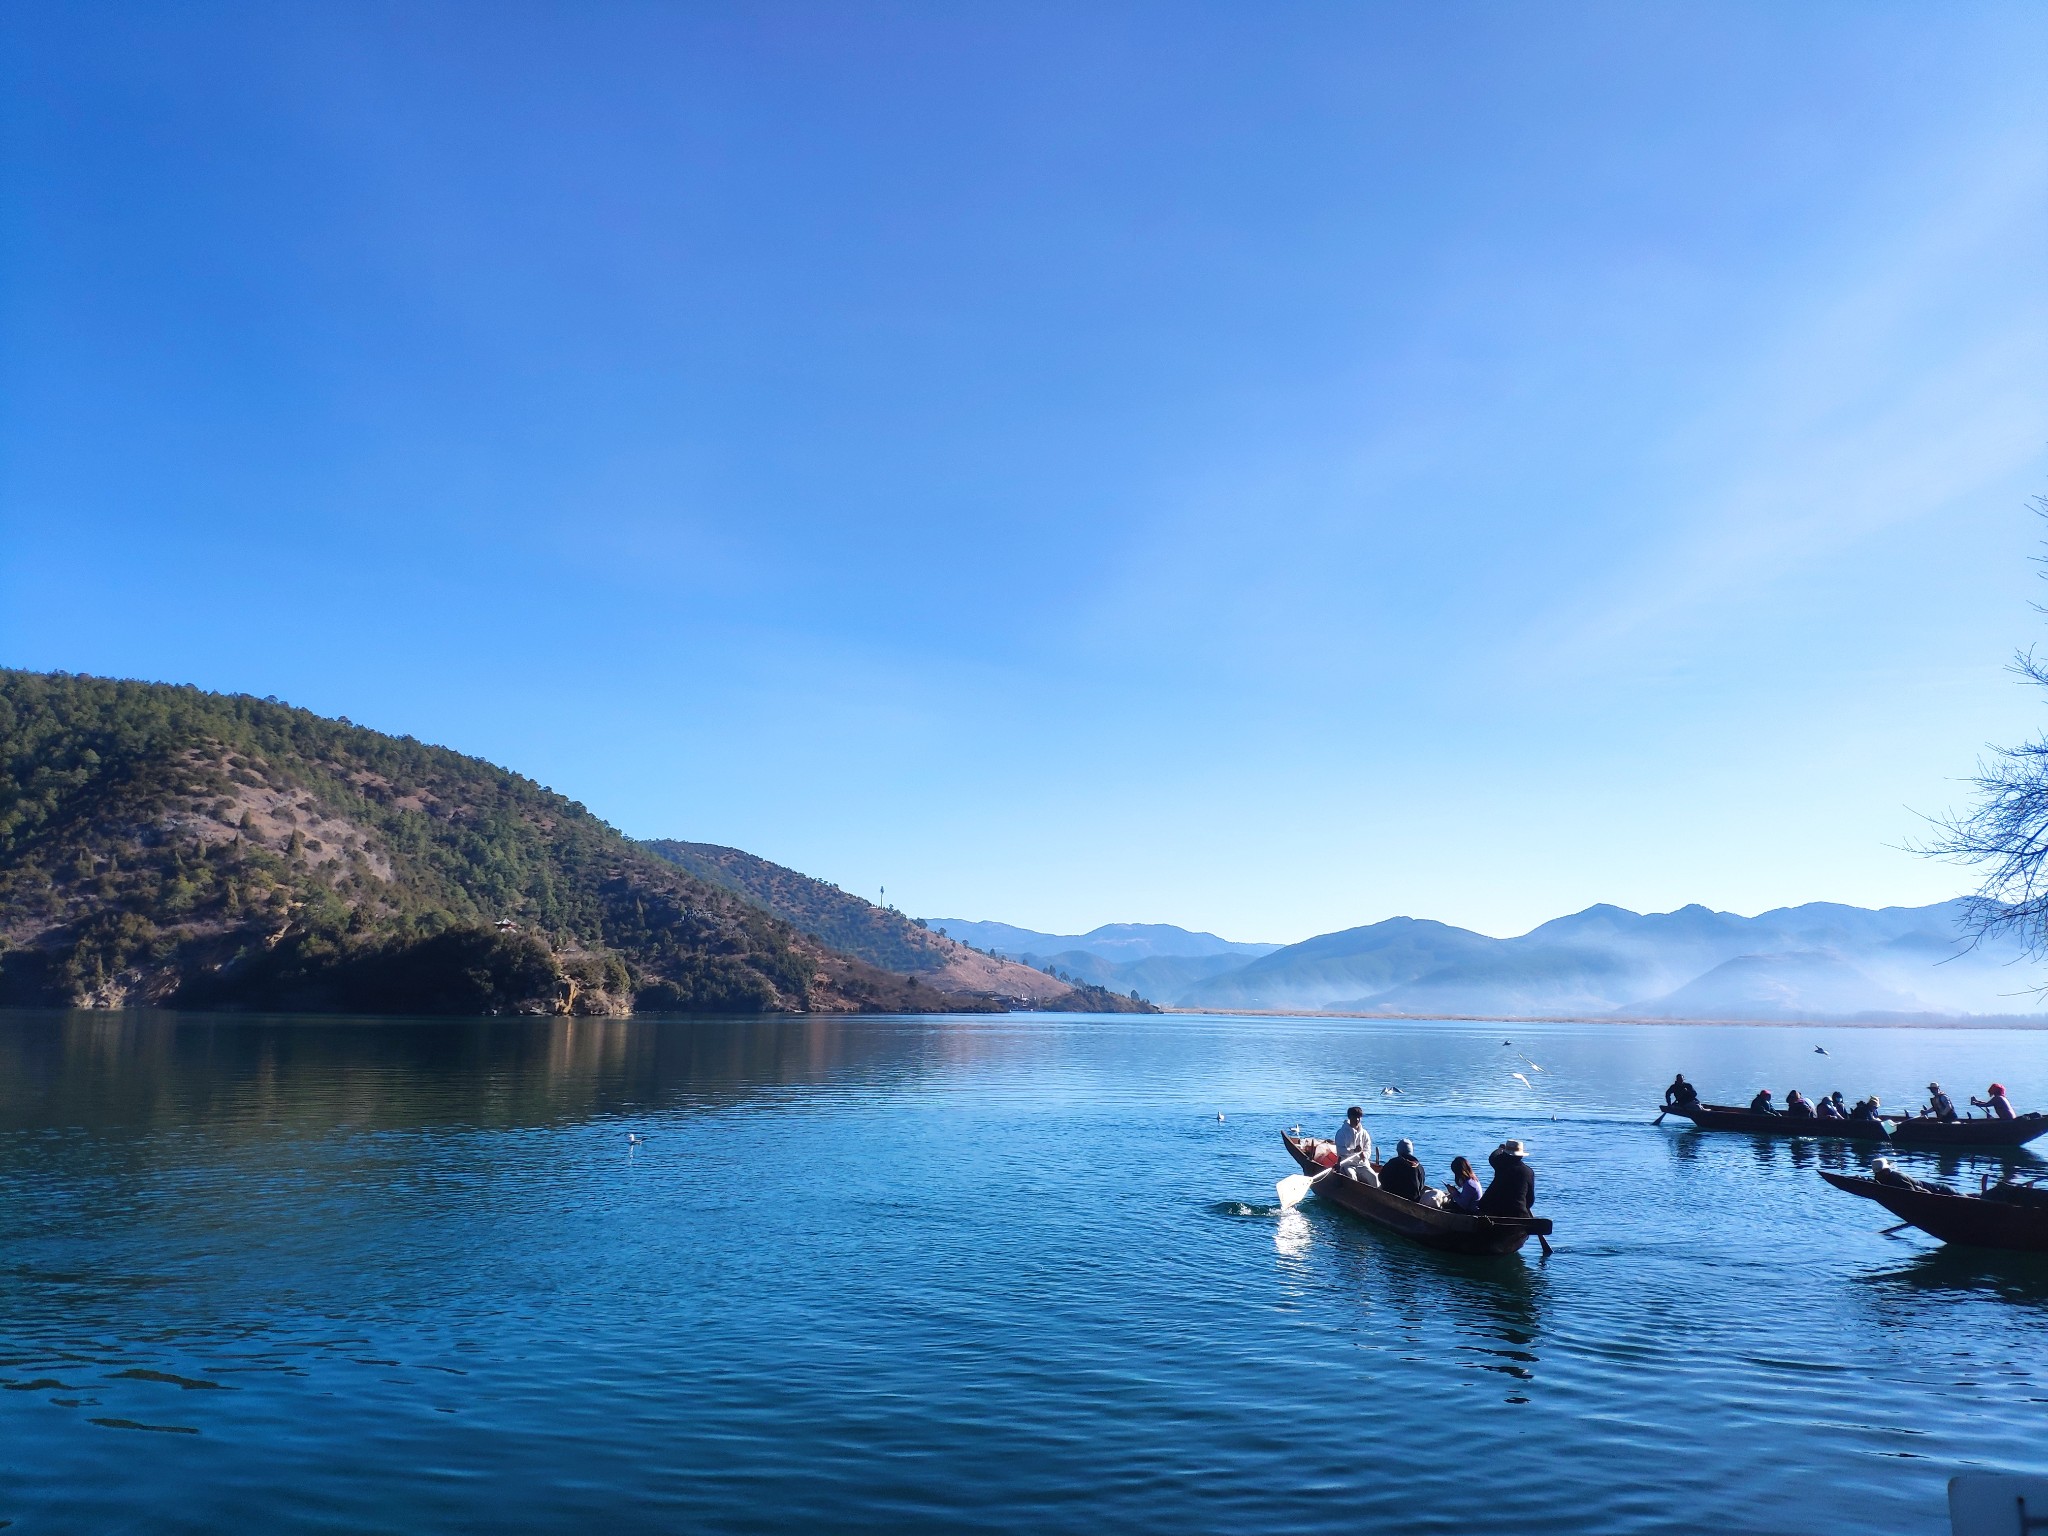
point(1000, 1274)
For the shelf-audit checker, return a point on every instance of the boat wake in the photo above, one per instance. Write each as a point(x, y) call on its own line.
point(1240, 1208)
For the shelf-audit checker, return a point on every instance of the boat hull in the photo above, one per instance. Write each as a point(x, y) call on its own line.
point(1967, 1220)
point(1979, 1132)
point(1447, 1231)
point(1726, 1117)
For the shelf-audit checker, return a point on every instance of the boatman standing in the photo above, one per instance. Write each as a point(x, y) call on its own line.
point(1354, 1148)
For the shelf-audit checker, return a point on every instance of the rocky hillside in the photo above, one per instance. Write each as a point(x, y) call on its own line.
point(161, 845)
point(886, 938)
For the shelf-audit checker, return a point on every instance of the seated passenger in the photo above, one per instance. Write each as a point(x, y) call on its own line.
point(1866, 1109)
point(1354, 1148)
point(1463, 1189)
point(1680, 1093)
point(1829, 1107)
point(1513, 1190)
point(1889, 1176)
point(1761, 1104)
point(1999, 1105)
point(1939, 1104)
point(1402, 1173)
point(1798, 1106)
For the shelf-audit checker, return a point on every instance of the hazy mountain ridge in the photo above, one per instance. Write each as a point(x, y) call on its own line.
point(1818, 960)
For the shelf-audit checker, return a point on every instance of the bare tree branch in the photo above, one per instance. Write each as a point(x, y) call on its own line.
point(2007, 832)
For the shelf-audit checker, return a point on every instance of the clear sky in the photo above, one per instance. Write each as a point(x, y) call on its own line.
point(1261, 467)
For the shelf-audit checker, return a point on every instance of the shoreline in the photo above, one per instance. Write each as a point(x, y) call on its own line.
point(2020, 1023)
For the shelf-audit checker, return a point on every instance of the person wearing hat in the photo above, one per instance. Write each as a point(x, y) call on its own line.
point(1354, 1148)
point(1513, 1190)
point(1761, 1104)
point(1402, 1173)
point(1939, 1104)
point(1999, 1105)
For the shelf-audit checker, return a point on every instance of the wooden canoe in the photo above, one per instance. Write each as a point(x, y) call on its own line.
point(1450, 1231)
point(1970, 1131)
point(2019, 1221)
point(1727, 1117)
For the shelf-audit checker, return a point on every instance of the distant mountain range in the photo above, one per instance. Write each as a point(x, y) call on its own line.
point(1819, 961)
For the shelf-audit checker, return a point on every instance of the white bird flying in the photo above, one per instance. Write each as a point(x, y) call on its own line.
point(1532, 1065)
point(1386, 1091)
point(1521, 1079)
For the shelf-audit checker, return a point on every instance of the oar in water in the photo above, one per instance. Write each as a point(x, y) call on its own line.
point(1294, 1189)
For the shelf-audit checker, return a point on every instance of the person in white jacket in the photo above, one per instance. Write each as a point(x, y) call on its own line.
point(1354, 1148)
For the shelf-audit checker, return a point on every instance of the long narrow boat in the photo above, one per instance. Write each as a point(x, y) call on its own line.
point(1726, 1117)
point(2008, 1216)
point(1451, 1231)
point(1971, 1131)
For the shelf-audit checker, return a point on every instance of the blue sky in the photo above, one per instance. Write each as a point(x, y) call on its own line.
point(1266, 468)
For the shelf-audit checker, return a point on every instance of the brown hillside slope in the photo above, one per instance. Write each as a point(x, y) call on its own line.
point(883, 936)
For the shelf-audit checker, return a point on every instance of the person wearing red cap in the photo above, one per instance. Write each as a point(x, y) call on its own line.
point(1999, 1105)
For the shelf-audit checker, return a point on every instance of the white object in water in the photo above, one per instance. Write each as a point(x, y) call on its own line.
point(1997, 1504)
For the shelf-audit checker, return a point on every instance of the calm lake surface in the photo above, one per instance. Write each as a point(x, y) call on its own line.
point(989, 1273)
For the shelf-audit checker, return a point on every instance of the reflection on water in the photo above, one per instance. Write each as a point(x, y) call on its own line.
point(2020, 1279)
point(1291, 1234)
point(137, 1069)
point(992, 1273)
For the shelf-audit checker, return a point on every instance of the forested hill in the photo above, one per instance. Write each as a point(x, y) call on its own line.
point(162, 845)
point(884, 937)
point(876, 934)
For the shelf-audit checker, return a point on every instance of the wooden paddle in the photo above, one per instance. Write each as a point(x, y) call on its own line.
point(1294, 1189)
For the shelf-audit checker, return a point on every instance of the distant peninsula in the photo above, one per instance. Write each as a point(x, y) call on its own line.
point(165, 846)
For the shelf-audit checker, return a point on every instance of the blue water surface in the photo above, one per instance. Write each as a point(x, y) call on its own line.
point(993, 1273)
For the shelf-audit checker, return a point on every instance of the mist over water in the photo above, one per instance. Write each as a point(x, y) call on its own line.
point(990, 1273)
